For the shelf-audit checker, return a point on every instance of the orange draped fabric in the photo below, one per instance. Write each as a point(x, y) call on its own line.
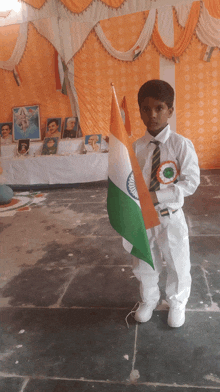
point(213, 7)
point(77, 6)
point(35, 3)
point(185, 37)
point(8, 38)
point(37, 70)
point(95, 69)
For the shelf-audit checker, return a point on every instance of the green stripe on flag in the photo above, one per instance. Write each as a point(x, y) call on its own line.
point(126, 218)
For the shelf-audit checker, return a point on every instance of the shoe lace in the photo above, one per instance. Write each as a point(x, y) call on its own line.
point(133, 310)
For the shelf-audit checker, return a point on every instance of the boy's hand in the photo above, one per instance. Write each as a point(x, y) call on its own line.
point(154, 198)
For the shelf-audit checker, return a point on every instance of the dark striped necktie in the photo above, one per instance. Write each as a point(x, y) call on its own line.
point(154, 183)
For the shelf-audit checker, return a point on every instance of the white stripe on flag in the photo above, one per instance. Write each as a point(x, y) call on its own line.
point(119, 165)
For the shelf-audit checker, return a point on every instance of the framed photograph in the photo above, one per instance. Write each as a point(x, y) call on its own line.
point(53, 127)
point(71, 128)
point(50, 145)
point(23, 147)
point(6, 132)
point(93, 143)
point(26, 123)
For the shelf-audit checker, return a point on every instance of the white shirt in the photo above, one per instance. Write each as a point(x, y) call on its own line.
point(176, 148)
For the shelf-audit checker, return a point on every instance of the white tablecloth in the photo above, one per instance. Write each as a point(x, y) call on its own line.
point(67, 167)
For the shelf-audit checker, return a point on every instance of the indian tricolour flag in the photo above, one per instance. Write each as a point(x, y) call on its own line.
point(129, 204)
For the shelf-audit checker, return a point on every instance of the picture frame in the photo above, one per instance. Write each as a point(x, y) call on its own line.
point(53, 127)
point(6, 133)
point(23, 147)
point(50, 145)
point(26, 123)
point(93, 143)
point(71, 128)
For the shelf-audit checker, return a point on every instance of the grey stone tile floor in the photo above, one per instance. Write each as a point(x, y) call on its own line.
point(66, 286)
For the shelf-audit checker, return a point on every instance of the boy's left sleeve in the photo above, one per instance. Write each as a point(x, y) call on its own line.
point(189, 178)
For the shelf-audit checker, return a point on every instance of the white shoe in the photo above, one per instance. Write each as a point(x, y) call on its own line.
point(144, 312)
point(176, 317)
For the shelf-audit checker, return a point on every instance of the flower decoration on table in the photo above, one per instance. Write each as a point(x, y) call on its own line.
point(167, 172)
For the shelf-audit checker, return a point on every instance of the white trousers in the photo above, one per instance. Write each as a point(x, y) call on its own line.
point(169, 242)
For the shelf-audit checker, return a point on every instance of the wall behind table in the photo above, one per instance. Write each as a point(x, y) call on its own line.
point(37, 71)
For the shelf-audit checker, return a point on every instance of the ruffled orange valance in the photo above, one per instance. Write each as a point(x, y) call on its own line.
point(185, 37)
point(213, 7)
point(77, 6)
point(35, 3)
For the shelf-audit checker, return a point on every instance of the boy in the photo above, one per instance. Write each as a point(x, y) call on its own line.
point(170, 168)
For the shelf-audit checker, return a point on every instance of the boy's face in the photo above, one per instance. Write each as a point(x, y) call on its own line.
point(154, 115)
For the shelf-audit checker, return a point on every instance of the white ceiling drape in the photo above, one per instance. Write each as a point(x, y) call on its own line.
point(67, 32)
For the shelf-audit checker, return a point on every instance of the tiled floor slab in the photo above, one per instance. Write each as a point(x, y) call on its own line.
point(204, 201)
point(86, 251)
point(36, 286)
point(11, 384)
point(96, 226)
point(205, 250)
point(74, 276)
point(88, 208)
point(99, 251)
point(94, 344)
point(199, 296)
point(77, 195)
point(213, 278)
point(109, 286)
point(116, 286)
point(186, 355)
point(206, 224)
point(210, 179)
point(83, 386)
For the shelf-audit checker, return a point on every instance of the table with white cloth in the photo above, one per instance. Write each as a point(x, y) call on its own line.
point(68, 166)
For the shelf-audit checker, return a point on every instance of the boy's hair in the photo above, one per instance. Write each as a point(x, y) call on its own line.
point(157, 89)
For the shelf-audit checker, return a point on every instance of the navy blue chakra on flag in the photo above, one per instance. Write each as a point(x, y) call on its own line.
point(131, 186)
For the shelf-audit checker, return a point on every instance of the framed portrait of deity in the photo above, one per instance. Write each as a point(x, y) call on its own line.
point(6, 132)
point(53, 127)
point(26, 123)
point(23, 147)
point(93, 143)
point(50, 145)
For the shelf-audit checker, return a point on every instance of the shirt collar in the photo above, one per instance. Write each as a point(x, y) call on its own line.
point(161, 137)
